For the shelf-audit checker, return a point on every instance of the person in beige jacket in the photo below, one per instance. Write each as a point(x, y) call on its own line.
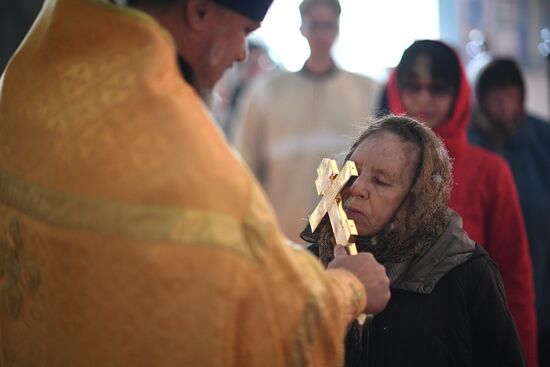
point(289, 122)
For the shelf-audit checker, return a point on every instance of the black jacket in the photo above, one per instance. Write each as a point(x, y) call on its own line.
point(448, 309)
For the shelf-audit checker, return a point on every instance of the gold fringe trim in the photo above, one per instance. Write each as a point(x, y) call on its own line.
point(130, 220)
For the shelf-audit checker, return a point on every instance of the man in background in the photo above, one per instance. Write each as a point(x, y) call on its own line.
point(287, 124)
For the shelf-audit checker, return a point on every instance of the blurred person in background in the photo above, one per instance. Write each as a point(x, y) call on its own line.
point(229, 90)
point(287, 124)
point(502, 124)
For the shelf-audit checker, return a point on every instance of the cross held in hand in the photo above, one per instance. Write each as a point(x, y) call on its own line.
point(329, 184)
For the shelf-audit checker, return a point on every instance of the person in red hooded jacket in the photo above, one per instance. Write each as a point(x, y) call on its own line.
point(429, 84)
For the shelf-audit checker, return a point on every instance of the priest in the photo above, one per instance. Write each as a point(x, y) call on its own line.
point(130, 233)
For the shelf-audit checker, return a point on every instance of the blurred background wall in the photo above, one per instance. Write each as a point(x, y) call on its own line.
point(16, 18)
point(516, 28)
point(373, 35)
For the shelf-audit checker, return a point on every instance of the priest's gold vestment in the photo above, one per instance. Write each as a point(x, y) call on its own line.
point(130, 234)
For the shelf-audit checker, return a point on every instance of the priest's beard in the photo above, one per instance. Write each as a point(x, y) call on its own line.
point(210, 69)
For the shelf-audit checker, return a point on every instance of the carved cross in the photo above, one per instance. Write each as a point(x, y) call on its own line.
point(329, 184)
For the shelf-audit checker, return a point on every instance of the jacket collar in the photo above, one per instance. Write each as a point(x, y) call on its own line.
point(319, 76)
point(451, 250)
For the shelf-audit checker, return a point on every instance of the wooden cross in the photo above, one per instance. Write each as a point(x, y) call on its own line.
point(329, 184)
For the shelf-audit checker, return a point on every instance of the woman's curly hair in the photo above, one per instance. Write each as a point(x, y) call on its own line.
point(422, 216)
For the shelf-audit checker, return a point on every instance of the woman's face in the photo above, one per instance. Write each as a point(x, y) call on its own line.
point(424, 98)
point(386, 166)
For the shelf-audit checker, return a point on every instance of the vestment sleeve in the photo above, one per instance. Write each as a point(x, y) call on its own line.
point(297, 308)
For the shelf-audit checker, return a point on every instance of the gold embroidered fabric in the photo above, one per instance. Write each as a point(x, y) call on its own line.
point(130, 235)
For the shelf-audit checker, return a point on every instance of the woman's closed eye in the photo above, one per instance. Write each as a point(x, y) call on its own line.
point(381, 181)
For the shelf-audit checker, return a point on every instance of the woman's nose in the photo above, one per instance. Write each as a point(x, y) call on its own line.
point(359, 187)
